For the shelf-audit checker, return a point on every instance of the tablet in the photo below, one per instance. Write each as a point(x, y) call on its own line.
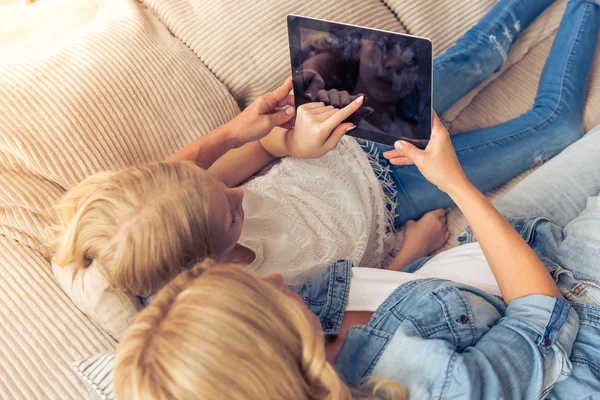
point(335, 63)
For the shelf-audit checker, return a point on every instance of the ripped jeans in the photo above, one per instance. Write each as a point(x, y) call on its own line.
point(494, 155)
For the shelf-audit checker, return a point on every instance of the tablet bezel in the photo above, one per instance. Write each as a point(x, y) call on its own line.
point(295, 22)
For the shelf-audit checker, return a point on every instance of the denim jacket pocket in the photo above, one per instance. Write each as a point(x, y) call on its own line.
point(458, 316)
point(360, 352)
point(576, 291)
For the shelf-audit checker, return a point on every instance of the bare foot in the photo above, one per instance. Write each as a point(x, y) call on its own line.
point(426, 235)
point(421, 238)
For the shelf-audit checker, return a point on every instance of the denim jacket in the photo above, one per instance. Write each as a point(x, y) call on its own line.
point(440, 339)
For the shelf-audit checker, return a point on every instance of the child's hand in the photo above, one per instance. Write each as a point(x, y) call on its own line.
point(268, 111)
point(341, 98)
point(319, 128)
point(437, 163)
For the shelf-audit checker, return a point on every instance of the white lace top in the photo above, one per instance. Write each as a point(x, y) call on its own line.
point(302, 215)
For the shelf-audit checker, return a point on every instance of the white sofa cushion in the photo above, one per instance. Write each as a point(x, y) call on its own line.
point(89, 289)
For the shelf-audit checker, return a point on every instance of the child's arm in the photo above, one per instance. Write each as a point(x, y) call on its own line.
point(256, 121)
point(318, 130)
point(240, 164)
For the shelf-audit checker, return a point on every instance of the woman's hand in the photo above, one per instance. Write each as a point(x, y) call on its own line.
point(319, 128)
point(437, 163)
point(517, 269)
point(265, 113)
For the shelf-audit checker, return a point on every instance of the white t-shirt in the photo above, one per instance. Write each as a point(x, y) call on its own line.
point(464, 264)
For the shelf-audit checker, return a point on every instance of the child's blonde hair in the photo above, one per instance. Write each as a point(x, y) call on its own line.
point(220, 332)
point(142, 225)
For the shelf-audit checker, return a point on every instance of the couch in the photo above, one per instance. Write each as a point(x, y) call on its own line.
point(138, 80)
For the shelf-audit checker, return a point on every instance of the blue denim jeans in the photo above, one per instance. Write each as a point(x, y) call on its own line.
point(494, 155)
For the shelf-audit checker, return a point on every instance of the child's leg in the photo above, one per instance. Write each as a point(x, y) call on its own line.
point(481, 51)
point(492, 156)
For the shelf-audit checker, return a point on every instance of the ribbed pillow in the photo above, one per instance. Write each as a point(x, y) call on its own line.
point(444, 22)
point(41, 330)
point(245, 42)
point(97, 373)
point(124, 91)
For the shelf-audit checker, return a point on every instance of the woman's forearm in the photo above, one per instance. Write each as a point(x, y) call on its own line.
point(240, 164)
point(518, 270)
point(207, 149)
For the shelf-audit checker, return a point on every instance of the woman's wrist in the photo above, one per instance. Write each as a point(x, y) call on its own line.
point(459, 188)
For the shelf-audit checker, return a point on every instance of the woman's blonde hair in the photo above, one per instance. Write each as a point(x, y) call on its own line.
point(218, 331)
point(142, 225)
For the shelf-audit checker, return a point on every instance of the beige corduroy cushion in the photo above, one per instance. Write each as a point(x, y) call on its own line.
point(444, 22)
point(245, 42)
point(123, 92)
point(42, 332)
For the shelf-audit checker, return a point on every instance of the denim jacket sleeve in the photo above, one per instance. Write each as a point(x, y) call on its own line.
point(326, 295)
point(522, 356)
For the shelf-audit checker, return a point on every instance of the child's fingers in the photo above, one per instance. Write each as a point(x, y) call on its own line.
point(336, 135)
point(440, 212)
point(323, 109)
point(310, 106)
point(324, 116)
point(342, 114)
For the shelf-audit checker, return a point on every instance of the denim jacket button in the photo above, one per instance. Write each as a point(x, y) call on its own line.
point(577, 290)
point(547, 341)
point(340, 278)
point(463, 319)
point(329, 324)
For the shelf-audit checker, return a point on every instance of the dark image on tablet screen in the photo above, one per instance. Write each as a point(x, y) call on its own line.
point(336, 63)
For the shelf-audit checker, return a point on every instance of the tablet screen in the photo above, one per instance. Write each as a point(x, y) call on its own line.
point(336, 63)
